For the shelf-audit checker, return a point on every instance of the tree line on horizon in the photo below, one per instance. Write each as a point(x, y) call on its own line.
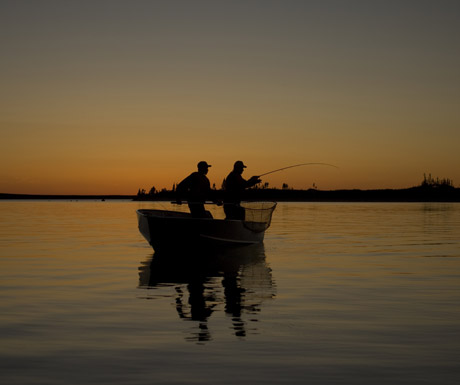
point(428, 183)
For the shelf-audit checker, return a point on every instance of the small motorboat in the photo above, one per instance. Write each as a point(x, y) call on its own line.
point(165, 229)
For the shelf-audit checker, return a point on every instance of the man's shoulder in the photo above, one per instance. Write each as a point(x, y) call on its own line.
point(188, 178)
point(197, 176)
point(235, 179)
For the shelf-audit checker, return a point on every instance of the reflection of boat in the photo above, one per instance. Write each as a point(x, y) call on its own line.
point(170, 229)
point(235, 281)
point(181, 266)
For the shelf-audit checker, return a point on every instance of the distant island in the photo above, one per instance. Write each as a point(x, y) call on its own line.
point(430, 190)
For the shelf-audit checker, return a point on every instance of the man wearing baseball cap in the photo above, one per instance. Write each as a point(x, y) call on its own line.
point(196, 188)
point(234, 187)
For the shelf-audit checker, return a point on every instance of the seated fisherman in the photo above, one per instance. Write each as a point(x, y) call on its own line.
point(197, 189)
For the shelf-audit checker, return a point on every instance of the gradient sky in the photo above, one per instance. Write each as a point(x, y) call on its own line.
point(105, 97)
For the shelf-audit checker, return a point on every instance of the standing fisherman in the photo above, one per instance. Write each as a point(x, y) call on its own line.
point(235, 185)
point(197, 189)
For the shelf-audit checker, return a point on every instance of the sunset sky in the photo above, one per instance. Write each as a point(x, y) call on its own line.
point(105, 97)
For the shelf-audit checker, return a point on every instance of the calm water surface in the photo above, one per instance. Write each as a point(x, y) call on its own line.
point(339, 293)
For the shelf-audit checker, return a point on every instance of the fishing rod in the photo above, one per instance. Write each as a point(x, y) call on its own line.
point(298, 165)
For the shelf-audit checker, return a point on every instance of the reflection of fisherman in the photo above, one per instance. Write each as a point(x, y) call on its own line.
point(235, 185)
point(246, 283)
point(199, 310)
point(197, 189)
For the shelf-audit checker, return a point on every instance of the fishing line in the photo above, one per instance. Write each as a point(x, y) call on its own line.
point(298, 165)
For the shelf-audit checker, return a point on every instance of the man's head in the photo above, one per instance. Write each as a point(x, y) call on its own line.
point(203, 167)
point(239, 167)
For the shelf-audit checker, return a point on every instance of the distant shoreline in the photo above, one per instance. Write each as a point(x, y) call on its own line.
point(64, 197)
point(413, 194)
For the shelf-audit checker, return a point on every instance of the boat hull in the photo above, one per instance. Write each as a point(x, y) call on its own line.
point(171, 229)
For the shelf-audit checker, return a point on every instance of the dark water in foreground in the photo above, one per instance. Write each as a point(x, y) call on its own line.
point(340, 293)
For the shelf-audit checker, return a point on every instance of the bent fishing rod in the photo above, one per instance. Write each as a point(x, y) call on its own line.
point(298, 165)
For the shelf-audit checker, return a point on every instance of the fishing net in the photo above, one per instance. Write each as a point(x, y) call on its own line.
point(258, 215)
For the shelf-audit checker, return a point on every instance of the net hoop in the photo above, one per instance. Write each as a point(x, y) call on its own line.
point(258, 215)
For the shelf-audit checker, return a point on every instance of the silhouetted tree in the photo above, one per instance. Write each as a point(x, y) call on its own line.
point(434, 183)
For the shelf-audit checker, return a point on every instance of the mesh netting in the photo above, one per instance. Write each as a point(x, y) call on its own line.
point(258, 215)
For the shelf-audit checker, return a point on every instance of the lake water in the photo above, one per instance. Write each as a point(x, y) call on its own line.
point(339, 293)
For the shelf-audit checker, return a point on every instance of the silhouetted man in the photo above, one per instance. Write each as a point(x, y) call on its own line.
point(234, 187)
point(197, 189)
